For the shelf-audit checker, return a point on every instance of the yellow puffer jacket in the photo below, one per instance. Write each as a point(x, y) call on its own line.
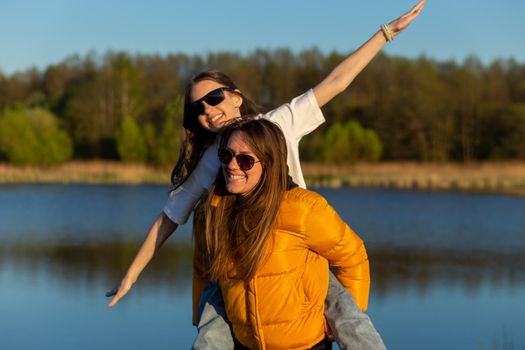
point(282, 306)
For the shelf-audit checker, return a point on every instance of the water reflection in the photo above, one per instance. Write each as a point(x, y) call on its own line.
point(99, 263)
point(426, 268)
point(392, 270)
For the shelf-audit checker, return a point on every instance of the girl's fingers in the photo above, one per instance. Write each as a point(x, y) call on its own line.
point(115, 299)
point(418, 7)
point(415, 10)
point(402, 22)
point(117, 293)
point(112, 302)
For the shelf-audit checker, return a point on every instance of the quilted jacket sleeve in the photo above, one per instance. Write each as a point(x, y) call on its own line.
point(329, 236)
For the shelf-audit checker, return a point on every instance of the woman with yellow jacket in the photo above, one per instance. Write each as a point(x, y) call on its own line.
point(269, 244)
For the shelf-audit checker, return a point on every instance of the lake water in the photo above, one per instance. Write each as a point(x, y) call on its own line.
point(448, 270)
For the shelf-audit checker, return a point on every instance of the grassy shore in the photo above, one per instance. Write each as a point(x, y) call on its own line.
point(501, 178)
point(88, 172)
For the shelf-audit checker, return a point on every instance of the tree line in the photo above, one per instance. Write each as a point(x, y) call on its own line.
point(129, 107)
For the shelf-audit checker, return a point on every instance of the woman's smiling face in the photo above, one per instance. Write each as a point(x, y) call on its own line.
point(214, 118)
point(241, 181)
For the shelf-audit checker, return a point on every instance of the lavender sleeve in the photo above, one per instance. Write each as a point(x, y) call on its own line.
point(182, 200)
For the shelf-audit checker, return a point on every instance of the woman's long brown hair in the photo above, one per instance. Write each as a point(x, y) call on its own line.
point(238, 227)
point(197, 139)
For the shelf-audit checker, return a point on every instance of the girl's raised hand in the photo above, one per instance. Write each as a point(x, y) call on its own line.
point(400, 24)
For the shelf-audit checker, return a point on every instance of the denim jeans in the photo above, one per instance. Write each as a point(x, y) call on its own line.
point(352, 329)
point(214, 330)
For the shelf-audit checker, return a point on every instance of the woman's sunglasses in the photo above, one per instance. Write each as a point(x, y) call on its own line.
point(244, 161)
point(213, 98)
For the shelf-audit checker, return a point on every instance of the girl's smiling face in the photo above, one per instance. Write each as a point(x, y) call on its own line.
point(214, 118)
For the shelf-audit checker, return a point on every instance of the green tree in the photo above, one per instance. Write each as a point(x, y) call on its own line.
point(150, 138)
point(336, 146)
point(163, 146)
point(99, 105)
point(33, 136)
point(507, 134)
point(372, 146)
point(131, 144)
point(168, 144)
point(350, 143)
point(17, 138)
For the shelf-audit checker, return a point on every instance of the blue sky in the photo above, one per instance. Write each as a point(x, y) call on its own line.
point(42, 32)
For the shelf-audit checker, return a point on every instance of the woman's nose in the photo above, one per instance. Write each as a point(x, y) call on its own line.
point(233, 164)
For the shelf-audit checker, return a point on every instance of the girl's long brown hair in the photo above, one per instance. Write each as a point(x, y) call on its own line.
point(197, 139)
point(237, 228)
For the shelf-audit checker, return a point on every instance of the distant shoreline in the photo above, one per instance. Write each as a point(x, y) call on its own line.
point(499, 178)
point(506, 178)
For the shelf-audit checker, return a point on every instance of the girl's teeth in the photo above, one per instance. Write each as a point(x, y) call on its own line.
point(216, 117)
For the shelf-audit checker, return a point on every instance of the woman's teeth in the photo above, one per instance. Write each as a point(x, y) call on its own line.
point(236, 177)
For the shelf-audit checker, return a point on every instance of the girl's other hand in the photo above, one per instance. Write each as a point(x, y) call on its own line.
point(401, 23)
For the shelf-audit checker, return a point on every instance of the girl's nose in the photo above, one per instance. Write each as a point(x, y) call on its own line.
point(206, 107)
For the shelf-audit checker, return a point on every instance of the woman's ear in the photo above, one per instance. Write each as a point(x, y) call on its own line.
point(237, 98)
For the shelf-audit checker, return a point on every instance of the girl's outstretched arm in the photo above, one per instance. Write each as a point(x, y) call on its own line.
point(181, 203)
point(345, 72)
point(161, 229)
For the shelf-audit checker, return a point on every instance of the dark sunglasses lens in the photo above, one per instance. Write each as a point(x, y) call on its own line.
point(214, 98)
point(245, 161)
point(225, 156)
point(196, 108)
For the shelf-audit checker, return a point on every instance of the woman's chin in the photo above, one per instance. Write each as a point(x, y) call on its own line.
point(236, 188)
point(233, 189)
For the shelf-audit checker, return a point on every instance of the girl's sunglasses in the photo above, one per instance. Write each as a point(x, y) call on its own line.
point(213, 98)
point(244, 161)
